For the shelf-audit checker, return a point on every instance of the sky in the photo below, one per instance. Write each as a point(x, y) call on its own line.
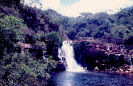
point(72, 8)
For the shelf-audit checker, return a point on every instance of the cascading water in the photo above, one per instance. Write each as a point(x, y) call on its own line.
point(67, 52)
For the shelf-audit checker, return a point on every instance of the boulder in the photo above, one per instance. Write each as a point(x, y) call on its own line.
point(59, 67)
point(96, 69)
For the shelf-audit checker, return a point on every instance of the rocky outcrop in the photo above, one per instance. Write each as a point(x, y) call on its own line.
point(59, 67)
point(106, 56)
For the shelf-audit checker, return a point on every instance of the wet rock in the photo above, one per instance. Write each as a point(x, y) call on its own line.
point(59, 67)
point(106, 56)
point(96, 69)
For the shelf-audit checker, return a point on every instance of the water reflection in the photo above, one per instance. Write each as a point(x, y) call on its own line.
point(65, 78)
point(90, 79)
point(69, 79)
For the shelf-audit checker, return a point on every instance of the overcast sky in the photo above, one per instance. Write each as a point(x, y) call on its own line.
point(74, 7)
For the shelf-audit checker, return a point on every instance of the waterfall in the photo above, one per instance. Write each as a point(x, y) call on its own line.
point(44, 54)
point(67, 52)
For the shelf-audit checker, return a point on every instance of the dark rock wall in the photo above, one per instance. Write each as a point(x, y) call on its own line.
point(102, 55)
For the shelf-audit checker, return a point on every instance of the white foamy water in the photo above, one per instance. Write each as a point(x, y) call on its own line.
point(67, 52)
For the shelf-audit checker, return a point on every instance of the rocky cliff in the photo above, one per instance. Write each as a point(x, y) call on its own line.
point(104, 56)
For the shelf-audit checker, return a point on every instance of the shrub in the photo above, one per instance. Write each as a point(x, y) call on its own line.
point(39, 45)
point(10, 32)
point(21, 69)
point(121, 33)
point(56, 37)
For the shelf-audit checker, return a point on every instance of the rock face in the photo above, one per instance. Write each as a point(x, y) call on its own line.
point(59, 67)
point(105, 56)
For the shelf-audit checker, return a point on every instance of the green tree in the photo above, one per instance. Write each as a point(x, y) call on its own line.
point(20, 69)
point(10, 32)
point(83, 33)
point(121, 33)
point(39, 46)
point(72, 33)
point(56, 37)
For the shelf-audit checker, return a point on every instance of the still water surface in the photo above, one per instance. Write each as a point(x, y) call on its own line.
point(67, 78)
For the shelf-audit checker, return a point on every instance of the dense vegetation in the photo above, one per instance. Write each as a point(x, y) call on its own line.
point(43, 30)
point(110, 28)
point(19, 26)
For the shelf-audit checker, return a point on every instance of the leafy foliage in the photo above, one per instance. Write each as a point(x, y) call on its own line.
point(21, 69)
point(102, 25)
point(72, 33)
point(10, 31)
point(39, 45)
point(121, 32)
point(84, 33)
point(56, 37)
